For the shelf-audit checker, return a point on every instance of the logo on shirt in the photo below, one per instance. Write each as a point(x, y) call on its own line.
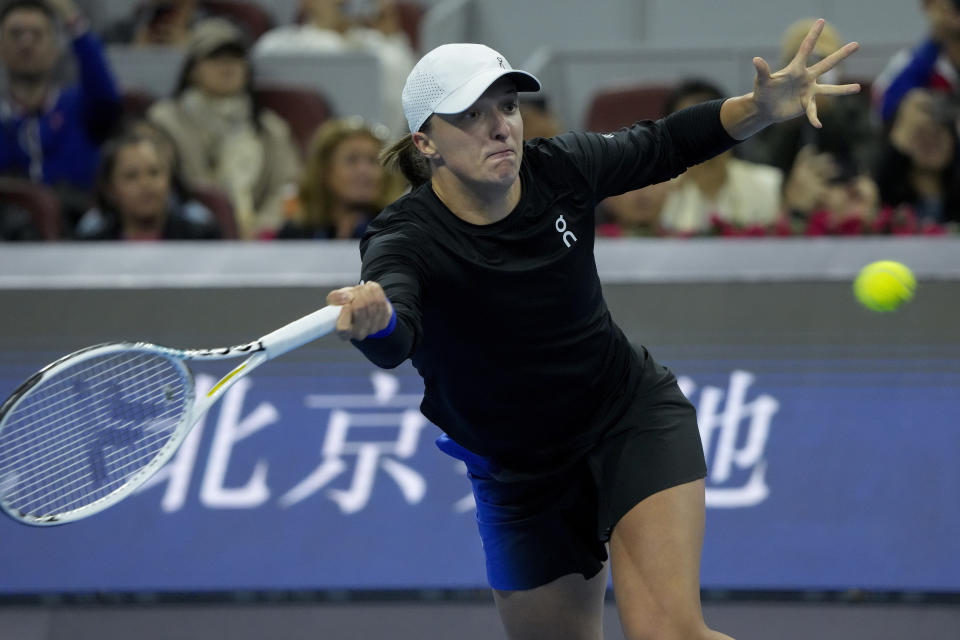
point(561, 226)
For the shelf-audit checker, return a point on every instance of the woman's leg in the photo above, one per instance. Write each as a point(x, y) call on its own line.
point(569, 608)
point(655, 558)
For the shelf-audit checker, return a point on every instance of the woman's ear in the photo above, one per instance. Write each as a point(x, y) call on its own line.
point(425, 145)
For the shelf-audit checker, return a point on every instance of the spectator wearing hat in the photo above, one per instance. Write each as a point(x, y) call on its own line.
point(224, 138)
point(934, 64)
point(50, 131)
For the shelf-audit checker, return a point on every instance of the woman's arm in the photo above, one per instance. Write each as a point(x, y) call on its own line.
point(383, 315)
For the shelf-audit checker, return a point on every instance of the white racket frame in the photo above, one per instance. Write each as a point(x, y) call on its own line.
point(274, 344)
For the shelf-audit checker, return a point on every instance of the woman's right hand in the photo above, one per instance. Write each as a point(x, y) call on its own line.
point(366, 310)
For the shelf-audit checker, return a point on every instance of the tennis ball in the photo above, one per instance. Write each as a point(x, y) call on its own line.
point(884, 285)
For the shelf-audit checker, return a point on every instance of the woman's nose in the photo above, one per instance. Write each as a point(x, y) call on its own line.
point(499, 128)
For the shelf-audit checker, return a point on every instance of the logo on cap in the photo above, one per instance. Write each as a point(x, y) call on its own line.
point(500, 60)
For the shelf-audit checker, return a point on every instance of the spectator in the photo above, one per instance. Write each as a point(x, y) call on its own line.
point(918, 170)
point(343, 185)
point(822, 199)
point(49, 131)
point(722, 188)
point(328, 28)
point(134, 196)
point(222, 135)
point(934, 64)
point(157, 23)
point(182, 199)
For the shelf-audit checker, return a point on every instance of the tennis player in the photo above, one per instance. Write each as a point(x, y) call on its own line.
point(484, 276)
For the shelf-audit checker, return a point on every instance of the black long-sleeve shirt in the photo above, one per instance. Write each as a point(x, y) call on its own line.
point(506, 322)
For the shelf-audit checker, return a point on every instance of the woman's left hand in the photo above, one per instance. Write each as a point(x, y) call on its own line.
point(793, 90)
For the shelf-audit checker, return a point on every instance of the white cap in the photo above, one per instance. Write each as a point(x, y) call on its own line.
point(451, 77)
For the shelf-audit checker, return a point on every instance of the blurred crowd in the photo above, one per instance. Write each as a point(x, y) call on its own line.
point(80, 159)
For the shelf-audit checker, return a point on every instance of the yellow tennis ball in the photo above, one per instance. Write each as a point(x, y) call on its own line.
point(884, 285)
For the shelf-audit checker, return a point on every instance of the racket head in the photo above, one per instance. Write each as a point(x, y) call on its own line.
point(85, 431)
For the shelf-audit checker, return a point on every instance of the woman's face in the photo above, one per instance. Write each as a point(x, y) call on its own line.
point(354, 176)
point(221, 75)
point(483, 145)
point(140, 183)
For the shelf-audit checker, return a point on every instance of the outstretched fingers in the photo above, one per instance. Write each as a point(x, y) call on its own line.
point(833, 59)
point(810, 41)
point(838, 89)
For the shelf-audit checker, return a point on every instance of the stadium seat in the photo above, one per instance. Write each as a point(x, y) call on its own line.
point(303, 109)
point(254, 19)
point(39, 200)
point(220, 206)
point(618, 107)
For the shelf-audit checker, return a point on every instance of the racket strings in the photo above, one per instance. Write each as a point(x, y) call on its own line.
point(65, 414)
point(75, 456)
point(79, 403)
point(82, 433)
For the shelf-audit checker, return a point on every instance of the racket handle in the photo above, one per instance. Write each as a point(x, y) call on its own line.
point(300, 332)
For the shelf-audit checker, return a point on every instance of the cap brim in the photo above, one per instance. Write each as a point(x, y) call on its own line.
point(466, 95)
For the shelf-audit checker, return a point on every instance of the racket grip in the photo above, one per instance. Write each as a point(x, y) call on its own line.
point(300, 332)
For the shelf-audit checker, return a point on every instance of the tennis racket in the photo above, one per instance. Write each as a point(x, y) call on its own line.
point(85, 431)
